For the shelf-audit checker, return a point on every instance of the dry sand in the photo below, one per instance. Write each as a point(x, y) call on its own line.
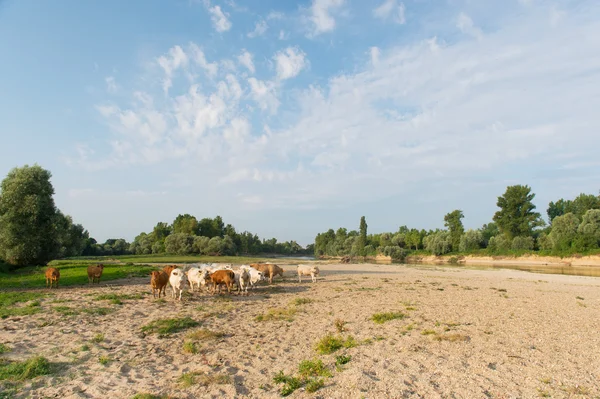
point(493, 334)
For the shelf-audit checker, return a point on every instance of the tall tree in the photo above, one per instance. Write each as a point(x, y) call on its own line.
point(185, 224)
point(28, 216)
point(362, 238)
point(453, 222)
point(516, 217)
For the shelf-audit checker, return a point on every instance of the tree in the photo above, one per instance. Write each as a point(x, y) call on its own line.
point(71, 238)
point(589, 229)
point(488, 231)
point(470, 240)
point(516, 216)
point(161, 231)
point(362, 241)
point(564, 231)
point(185, 224)
point(28, 217)
point(179, 243)
point(438, 243)
point(453, 222)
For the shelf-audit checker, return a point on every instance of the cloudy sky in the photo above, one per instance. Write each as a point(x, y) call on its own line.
point(290, 117)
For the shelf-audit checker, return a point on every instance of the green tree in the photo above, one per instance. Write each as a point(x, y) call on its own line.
point(589, 229)
point(453, 222)
point(362, 241)
point(179, 243)
point(72, 238)
point(516, 216)
point(161, 231)
point(185, 224)
point(488, 231)
point(438, 243)
point(28, 217)
point(564, 231)
point(470, 240)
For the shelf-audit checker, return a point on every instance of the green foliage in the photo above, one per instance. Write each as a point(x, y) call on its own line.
point(454, 224)
point(381, 318)
point(166, 327)
point(362, 238)
point(522, 243)
point(179, 243)
point(20, 371)
point(331, 343)
point(314, 384)
point(471, 240)
point(589, 229)
point(148, 396)
point(564, 231)
point(4, 349)
point(396, 253)
point(578, 207)
point(313, 368)
point(499, 244)
point(291, 383)
point(516, 216)
point(342, 359)
point(186, 225)
point(438, 243)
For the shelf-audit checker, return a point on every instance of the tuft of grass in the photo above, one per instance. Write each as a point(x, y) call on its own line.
point(302, 301)
point(342, 359)
point(104, 360)
point(546, 380)
point(313, 368)
point(166, 327)
point(190, 347)
point(340, 325)
point(314, 384)
point(66, 311)
point(381, 318)
point(291, 383)
point(580, 298)
point(34, 304)
point(452, 337)
point(428, 332)
point(583, 305)
point(278, 314)
point(148, 396)
point(19, 371)
point(98, 338)
point(543, 393)
point(197, 378)
point(10, 301)
point(85, 348)
point(205, 334)
point(98, 311)
point(331, 343)
point(4, 349)
point(117, 299)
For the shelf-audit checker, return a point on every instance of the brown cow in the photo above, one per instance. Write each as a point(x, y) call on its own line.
point(158, 281)
point(269, 270)
point(52, 275)
point(169, 269)
point(219, 277)
point(94, 273)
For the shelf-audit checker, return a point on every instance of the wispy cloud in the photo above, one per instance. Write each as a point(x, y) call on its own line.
point(320, 16)
point(465, 24)
point(391, 9)
point(259, 29)
point(246, 60)
point(219, 18)
point(290, 62)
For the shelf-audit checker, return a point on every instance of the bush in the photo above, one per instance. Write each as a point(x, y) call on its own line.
point(522, 243)
point(396, 253)
point(438, 243)
point(499, 244)
point(470, 240)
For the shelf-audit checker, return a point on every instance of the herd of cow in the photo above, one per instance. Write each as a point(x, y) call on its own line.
point(204, 275)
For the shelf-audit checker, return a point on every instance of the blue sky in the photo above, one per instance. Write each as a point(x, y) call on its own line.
point(288, 118)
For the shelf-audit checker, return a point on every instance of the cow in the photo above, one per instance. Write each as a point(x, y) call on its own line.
point(308, 270)
point(52, 275)
point(269, 270)
point(219, 277)
point(177, 281)
point(94, 273)
point(242, 280)
point(158, 281)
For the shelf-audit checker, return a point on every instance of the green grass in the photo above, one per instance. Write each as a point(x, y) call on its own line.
point(342, 359)
point(381, 318)
point(190, 347)
point(204, 334)
point(117, 299)
point(428, 332)
point(98, 311)
point(278, 314)
point(19, 371)
point(197, 378)
point(290, 383)
point(331, 343)
point(10, 303)
point(104, 360)
point(313, 368)
point(148, 396)
point(166, 327)
point(302, 301)
point(98, 338)
point(314, 384)
point(66, 310)
point(4, 349)
point(71, 273)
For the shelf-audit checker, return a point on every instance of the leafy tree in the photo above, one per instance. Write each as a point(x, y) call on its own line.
point(488, 231)
point(499, 244)
point(161, 231)
point(179, 243)
point(579, 206)
point(453, 222)
point(522, 243)
point(516, 216)
point(589, 229)
point(200, 245)
point(185, 224)
point(214, 246)
point(362, 242)
point(413, 239)
point(142, 244)
point(558, 208)
point(438, 243)
point(471, 240)
point(72, 238)
point(28, 217)
point(564, 231)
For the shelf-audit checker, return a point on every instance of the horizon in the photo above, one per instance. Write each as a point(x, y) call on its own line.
point(288, 119)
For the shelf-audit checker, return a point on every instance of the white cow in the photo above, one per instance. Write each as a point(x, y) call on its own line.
point(255, 275)
point(242, 280)
point(198, 277)
point(178, 281)
point(308, 270)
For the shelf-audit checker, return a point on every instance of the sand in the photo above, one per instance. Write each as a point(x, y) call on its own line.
point(466, 334)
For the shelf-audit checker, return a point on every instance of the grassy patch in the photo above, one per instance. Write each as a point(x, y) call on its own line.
point(166, 327)
point(428, 332)
point(98, 338)
point(452, 337)
point(4, 349)
point(19, 371)
point(314, 384)
point(9, 302)
point(313, 368)
point(85, 348)
point(104, 360)
point(331, 343)
point(148, 396)
point(191, 347)
point(197, 378)
point(302, 301)
point(290, 383)
point(342, 359)
point(66, 310)
point(204, 334)
point(117, 299)
point(340, 325)
point(381, 318)
point(286, 314)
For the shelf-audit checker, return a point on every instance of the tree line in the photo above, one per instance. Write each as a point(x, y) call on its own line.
point(34, 231)
point(573, 227)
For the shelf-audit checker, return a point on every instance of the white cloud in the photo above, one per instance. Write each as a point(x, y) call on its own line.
point(320, 15)
point(111, 84)
point(465, 24)
point(246, 60)
point(391, 9)
point(200, 60)
point(264, 93)
point(290, 62)
point(375, 53)
point(275, 15)
point(283, 35)
point(259, 29)
point(219, 19)
point(171, 62)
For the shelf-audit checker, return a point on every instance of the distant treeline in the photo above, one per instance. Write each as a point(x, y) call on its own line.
point(34, 231)
point(573, 227)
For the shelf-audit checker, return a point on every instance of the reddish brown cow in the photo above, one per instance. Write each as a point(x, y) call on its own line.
point(159, 281)
point(52, 275)
point(169, 269)
point(269, 270)
point(219, 277)
point(94, 273)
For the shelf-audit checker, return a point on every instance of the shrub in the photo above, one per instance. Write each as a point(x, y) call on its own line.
point(381, 318)
point(499, 244)
point(522, 243)
point(470, 240)
point(438, 243)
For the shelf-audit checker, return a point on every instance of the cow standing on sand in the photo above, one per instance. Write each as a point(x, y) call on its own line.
point(269, 270)
point(308, 270)
point(52, 276)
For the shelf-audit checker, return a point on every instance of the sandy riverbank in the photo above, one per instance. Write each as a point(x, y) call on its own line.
point(466, 334)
